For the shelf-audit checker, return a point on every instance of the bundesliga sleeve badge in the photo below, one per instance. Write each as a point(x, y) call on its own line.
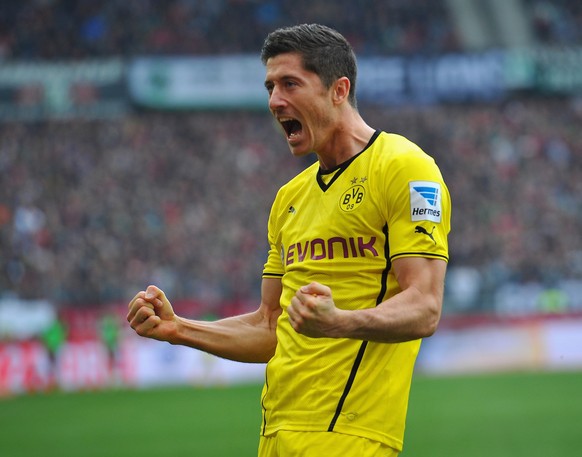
point(425, 201)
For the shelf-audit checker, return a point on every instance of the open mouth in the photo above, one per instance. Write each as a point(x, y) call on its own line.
point(292, 127)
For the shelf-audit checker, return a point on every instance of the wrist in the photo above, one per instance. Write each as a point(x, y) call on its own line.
point(176, 331)
point(343, 325)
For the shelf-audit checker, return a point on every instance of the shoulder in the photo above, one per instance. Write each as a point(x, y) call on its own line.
point(395, 146)
point(395, 153)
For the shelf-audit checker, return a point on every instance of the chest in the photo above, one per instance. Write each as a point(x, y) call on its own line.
point(340, 219)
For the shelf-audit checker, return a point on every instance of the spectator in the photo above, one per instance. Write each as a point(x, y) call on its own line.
point(79, 198)
point(64, 29)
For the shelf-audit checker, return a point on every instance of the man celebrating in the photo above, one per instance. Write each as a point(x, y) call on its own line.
point(355, 273)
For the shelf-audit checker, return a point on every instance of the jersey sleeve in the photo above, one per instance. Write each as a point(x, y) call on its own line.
point(418, 206)
point(274, 265)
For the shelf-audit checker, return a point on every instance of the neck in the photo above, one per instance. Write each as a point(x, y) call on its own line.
point(345, 141)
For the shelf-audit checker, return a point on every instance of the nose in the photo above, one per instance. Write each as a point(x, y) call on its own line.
point(276, 101)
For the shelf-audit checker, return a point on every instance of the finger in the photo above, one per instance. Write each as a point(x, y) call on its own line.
point(135, 304)
point(141, 316)
point(301, 304)
point(297, 308)
point(306, 300)
point(295, 318)
point(145, 323)
point(140, 294)
point(149, 324)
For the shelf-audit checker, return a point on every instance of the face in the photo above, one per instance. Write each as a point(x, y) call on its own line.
point(300, 103)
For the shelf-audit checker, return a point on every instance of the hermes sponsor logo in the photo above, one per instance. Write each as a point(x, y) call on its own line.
point(425, 201)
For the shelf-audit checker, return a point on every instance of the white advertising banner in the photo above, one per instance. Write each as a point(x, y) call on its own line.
point(529, 344)
point(149, 363)
point(198, 82)
point(237, 81)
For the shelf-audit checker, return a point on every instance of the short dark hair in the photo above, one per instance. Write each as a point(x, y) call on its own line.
point(324, 51)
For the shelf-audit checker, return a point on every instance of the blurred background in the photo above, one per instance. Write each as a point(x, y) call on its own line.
point(136, 149)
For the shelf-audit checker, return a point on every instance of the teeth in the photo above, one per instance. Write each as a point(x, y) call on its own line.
point(290, 125)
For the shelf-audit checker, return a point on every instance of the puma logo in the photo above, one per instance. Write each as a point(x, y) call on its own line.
point(419, 229)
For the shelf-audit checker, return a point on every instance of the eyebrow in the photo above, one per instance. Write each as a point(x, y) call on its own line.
point(283, 78)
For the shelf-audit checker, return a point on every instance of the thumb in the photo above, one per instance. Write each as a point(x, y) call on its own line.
point(316, 288)
point(162, 305)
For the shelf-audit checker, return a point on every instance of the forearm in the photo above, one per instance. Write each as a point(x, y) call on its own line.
point(244, 338)
point(411, 314)
point(407, 316)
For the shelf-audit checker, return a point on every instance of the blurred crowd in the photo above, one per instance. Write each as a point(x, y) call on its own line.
point(93, 211)
point(515, 175)
point(76, 29)
point(556, 22)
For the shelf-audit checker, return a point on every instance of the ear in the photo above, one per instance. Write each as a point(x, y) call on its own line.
point(341, 90)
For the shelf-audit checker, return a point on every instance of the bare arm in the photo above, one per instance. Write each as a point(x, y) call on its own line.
point(411, 314)
point(245, 338)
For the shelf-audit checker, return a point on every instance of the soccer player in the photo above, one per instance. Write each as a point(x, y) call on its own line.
point(355, 273)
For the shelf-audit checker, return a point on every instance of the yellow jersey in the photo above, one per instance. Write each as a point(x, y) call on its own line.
point(343, 228)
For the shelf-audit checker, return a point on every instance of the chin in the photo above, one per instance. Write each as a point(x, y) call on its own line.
point(299, 153)
point(301, 148)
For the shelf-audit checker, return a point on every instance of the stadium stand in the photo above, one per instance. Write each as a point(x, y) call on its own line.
point(93, 210)
point(64, 29)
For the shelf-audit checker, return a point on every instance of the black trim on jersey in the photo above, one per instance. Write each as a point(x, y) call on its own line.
point(341, 167)
point(360, 356)
point(272, 275)
point(421, 254)
point(349, 384)
point(264, 428)
point(384, 285)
